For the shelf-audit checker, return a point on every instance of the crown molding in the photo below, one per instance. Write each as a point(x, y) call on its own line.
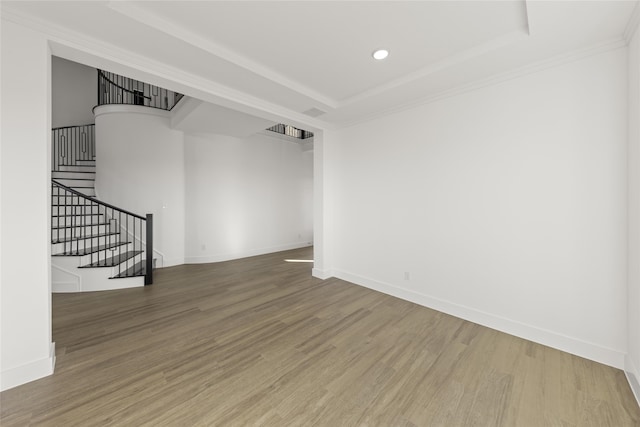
point(534, 67)
point(632, 24)
point(151, 19)
point(450, 61)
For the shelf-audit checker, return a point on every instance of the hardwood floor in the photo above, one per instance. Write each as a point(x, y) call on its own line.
point(260, 342)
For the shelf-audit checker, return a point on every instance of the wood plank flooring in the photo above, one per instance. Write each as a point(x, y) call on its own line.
point(259, 342)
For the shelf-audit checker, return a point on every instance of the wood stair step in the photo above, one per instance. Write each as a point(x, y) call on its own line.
point(79, 226)
point(88, 236)
point(113, 261)
point(91, 249)
point(138, 269)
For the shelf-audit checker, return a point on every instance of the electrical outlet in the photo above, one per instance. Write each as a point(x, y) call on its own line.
point(407, 276)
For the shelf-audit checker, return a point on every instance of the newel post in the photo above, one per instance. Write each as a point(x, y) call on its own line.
point(148, 275)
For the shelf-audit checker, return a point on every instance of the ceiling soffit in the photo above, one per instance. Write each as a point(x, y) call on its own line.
point(473, 36)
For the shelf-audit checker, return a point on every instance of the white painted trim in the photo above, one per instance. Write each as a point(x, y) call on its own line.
point(632, 24)
point(62, 287)
point(29, 371)
point(632, 374)
point(552, 339)
point(157, 254)
point(321, 274)
point(170, 262)
point(532, 68)
point(244, 254)
point(65, 287)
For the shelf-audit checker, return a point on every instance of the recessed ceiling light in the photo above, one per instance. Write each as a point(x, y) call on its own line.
point(380, 54)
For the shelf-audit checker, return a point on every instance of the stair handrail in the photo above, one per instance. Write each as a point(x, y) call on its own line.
point(81, 209)
point(103, 75)
point(93, 199)
point(110, 92)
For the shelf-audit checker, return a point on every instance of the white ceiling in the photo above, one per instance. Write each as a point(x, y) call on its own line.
point(317, 54)
point(195, 116)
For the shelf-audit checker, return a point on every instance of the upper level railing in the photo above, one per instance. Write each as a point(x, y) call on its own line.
point(72, 145)
point(107, 235)
point(117, 89)
point(291, 131)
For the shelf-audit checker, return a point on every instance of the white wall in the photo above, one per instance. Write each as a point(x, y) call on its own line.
point(246, 196)
point(140, 168)
point(632, 363)
point(74, 93)
point(505, 206)
point(26, 351)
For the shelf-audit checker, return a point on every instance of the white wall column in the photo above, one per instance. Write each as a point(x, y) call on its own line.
point(26, 349)
point(324, 143)
point(632, 361)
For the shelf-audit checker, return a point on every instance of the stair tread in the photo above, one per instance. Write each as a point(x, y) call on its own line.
point(72, 205)
point(78, 226)
point(80, 214)
point(92, 249)
point(88, 236)
point(113, 261)
point(138, 269)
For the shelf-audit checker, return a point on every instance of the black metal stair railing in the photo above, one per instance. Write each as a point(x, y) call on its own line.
point(71, 145)
point(291, 131)
point(116, 89)
point(107, 235)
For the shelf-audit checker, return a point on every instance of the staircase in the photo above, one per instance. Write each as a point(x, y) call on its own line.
point(94, 245)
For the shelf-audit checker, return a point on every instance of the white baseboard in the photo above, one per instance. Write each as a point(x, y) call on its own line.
point(170, 262)
point(62, 287)
point(63, 280)
point(244, 254)
point(29, 372)
point(632, 374)
point(552, 339)
point(321, 274)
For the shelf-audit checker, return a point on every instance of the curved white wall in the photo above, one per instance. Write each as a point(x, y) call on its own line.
point(505, 205)
point(140, 168)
